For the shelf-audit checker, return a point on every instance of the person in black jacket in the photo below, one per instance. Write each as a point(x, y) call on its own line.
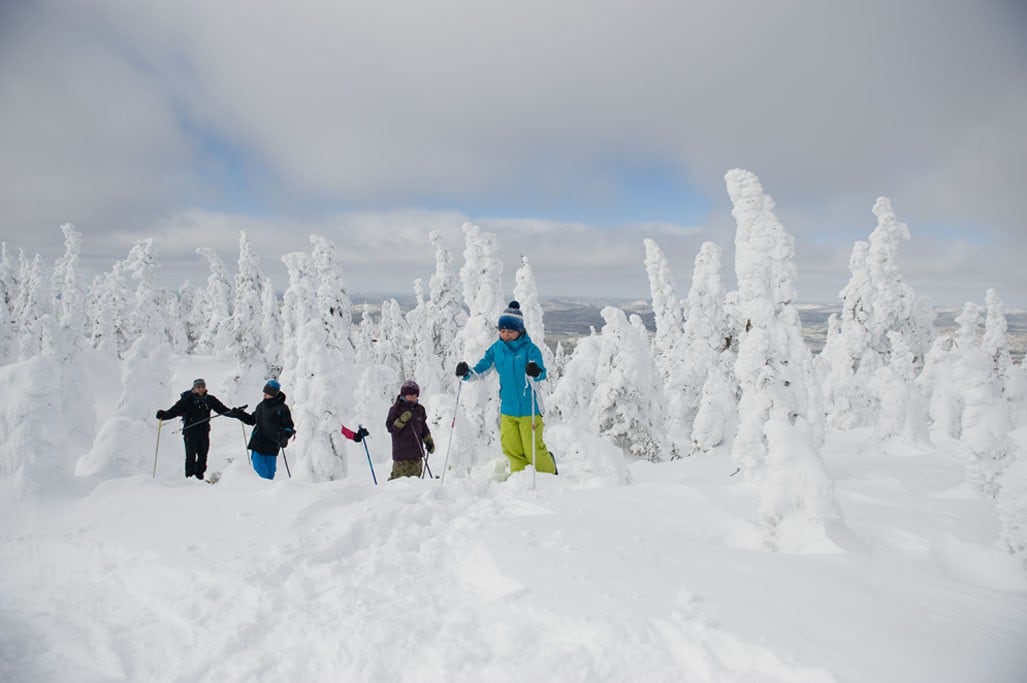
point(407, 421)
point(272, 429)
point(194, 408)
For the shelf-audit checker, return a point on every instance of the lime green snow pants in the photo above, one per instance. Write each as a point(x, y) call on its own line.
point(515, 437)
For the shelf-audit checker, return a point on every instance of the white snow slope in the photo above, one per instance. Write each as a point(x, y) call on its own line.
point(579, 578)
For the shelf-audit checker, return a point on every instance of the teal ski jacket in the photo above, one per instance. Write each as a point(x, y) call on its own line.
point(510, 359)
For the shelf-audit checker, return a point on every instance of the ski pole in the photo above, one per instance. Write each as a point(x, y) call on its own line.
point(534, 465)
point(156, 449)
point(286, 463)
point(369, 463)
point(424, 458)
point(199, 422)
point(452, 430)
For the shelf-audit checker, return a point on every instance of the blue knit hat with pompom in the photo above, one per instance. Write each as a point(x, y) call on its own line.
point(512, 318)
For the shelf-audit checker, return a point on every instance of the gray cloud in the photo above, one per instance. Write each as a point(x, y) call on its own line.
point(131, 117)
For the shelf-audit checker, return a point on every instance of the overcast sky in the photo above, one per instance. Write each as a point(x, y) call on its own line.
point(573, 130)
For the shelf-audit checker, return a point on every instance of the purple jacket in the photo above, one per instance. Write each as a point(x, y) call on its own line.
point(407, 437)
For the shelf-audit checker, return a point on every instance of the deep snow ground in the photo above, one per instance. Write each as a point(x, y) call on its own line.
point(662, 579)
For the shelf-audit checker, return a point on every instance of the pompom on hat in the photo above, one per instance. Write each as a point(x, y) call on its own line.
point(512, 318)
point(272, 388)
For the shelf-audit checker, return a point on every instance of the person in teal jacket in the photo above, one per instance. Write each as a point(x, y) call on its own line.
point(517, 361)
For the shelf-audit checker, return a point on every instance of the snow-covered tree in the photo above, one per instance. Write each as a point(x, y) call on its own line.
point(526, 293)
point(8, 291)
point(996, 341)
point(190, 307)
point(271, 322)
point(571, 399)
point(627, 406)
point(246, 324)
point(146, 314)
point(716, 419)
point(697, 352)
point(67, 287)
point(320, 364)
point(896, 307)
point(938, 384)
point(118, 448)
point(425, 363)
point(445, 314)
point(875, 302)
point(479, 401)
point(666, 309)
point(903, 410)
point(69, 345)
point(844, 373)
point(32, 310)
point(1012, 510)
point(777, 440)
point(34, 448)
point(985, 422)
point(393, 338)
point(216, 337)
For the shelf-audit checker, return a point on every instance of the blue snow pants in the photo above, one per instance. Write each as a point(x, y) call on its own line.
point(264, 465)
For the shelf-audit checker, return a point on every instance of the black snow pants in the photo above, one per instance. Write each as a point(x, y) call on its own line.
point(197, 443)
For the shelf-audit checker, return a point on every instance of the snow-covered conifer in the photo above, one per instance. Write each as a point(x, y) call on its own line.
point(391, 349)
point(146, 316)
point(526, 293)
point(938, 384)
point(116, 449)
point(774, 371)
point(697, 352)
point(8, 290)
point(216, 337)
point(322, 380)
point(34, 448)
point(716, 418)
point(985, 421)
point(246, 324)
point(479, 403)
point(446, 315)
point(896, 306)
point(298, 306)
point(903, 410)
point(67, 286)
point(32, 310)
point(849, 362)
point(176, 317)
point(996, 341)
point(571, 399)
point(875, 302)
point(271, 323)
point(1012, 510)
point(627, 406)
point(426, 365)
point(666, 309)
point(190, 307)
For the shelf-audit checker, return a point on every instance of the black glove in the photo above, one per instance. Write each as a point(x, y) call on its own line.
point(283, 438)
point(237, 411)
point(429, 443)
point(402, 420)
point(533, 370)
point(162, 414)
point(462, 369)
point(360, 434)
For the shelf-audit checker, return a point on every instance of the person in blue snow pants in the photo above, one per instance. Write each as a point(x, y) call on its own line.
point(272, 429)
